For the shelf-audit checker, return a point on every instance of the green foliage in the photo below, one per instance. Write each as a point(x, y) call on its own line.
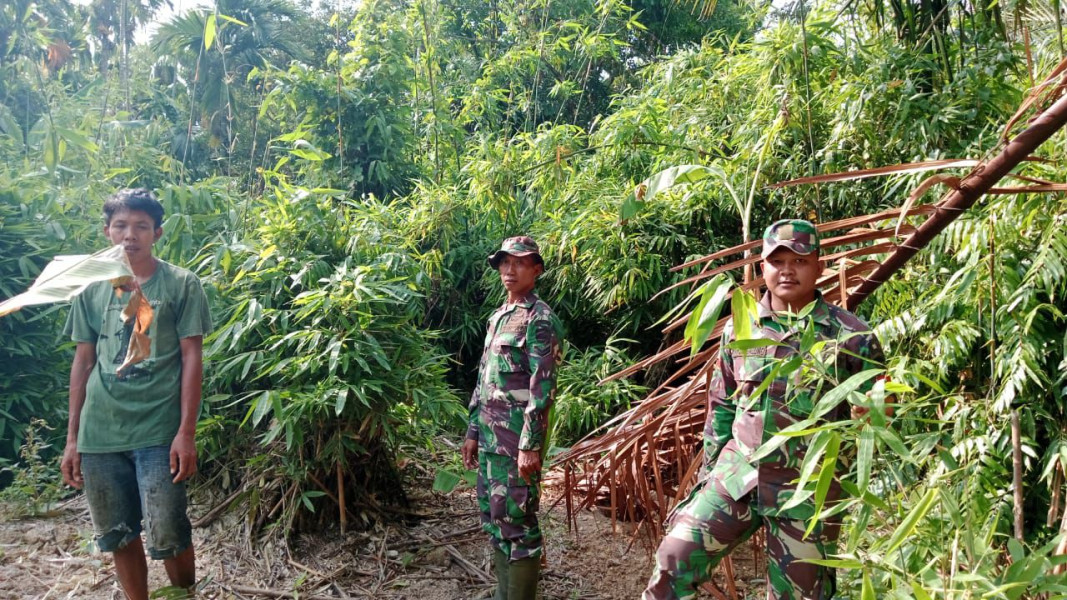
point(319, 360)
point(36, 485)
point(583, 401)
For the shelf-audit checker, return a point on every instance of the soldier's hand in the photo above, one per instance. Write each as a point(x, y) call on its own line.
point(71, 466)
point(858, 412)
point(470, 454)
point(529, 465)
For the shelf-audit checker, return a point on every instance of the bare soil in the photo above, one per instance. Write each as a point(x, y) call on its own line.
point(441, 557)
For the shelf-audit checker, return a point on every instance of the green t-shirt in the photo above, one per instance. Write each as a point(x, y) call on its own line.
point(143, 407)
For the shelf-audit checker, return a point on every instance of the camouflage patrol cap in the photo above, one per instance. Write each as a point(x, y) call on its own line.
point(516, 246)
point(798, 235)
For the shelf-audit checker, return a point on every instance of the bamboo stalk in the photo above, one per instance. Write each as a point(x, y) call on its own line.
point(341, 498)
point(1057, 491)
point(1017, 473)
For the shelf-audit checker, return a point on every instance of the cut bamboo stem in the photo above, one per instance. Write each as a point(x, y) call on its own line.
point(343, 513)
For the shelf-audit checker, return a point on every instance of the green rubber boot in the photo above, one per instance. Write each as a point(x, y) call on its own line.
point(523, 576)
point(500, 567)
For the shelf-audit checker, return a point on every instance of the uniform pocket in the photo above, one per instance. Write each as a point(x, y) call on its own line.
point(511, 353)
point(511, 359)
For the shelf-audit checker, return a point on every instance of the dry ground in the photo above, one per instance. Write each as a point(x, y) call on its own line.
point(441, 557)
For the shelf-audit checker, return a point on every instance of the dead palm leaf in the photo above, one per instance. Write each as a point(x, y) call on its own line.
point(66, 276)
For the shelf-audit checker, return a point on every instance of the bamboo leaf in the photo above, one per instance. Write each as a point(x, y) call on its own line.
point(920, 593)
point(826, 477)
point(864, 457)
point(867, 590)
point(668, 178)
point(744, 311)
point(752, 344)
point(706, 314)
point(908, 525)
point(807, 468)
point(78, 139)
point(835, 563)
point(831, 399)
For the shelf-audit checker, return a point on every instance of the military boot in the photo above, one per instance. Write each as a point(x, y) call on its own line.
point(500, 567)
point(523, 576)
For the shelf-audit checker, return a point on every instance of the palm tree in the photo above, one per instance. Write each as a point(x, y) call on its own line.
point(215, 60)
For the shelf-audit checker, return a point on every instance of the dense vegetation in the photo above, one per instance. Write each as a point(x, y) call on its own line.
point(337, 180)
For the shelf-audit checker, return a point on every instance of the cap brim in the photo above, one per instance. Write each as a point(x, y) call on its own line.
point(769, 250)
point(496, 257)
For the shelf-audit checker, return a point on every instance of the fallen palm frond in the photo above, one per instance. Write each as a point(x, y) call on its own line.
point(66, 276)
point(642, 462)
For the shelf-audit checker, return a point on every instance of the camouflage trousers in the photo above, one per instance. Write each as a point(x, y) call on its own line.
point(709, 524)
point(509, 507)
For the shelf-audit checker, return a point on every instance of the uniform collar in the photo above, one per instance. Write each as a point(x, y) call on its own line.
point(821, 312)
point(527, 301)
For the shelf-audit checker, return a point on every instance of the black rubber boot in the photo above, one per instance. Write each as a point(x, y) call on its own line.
point(523, 576)
point(500, 567)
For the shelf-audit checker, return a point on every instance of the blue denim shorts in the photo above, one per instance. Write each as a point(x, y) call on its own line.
point(126, 488)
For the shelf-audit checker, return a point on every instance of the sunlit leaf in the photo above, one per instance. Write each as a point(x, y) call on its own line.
point(910, 522)
point(209, 32)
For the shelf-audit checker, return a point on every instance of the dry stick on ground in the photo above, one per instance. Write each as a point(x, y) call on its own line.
point(466, 564)
point(245, 589)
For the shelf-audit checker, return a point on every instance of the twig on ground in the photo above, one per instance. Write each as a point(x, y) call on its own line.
point(466, 564)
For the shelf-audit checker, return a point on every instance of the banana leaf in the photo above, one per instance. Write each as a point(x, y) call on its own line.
point(66, 276)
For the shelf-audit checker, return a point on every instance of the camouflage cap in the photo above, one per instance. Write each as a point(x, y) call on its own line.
point(516, 246)
point(798, 235)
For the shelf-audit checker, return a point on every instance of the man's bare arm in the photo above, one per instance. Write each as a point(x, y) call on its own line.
point(80, 369)
point(183, 449)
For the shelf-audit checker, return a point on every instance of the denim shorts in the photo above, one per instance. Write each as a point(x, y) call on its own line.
point(126, 488)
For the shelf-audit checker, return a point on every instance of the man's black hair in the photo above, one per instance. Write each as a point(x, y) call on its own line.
point(134, 199)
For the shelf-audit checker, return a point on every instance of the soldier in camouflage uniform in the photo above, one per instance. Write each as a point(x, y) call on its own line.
point(737, 495)
point(509, 418)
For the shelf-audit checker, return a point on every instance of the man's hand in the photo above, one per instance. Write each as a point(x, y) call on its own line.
point(71, 466)
point(529, 465)
point(182, 457)
point(859, 412)
point(470, 454)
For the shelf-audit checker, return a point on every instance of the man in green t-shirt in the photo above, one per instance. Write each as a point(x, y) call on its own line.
point(130, 436)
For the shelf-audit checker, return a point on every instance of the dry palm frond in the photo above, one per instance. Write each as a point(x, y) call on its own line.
point(642, 462)
point(66, 276)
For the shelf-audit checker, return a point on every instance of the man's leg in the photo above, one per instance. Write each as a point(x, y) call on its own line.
point(703, 530)
point(509, 513)
point(131, 569)
point(181, 569)
point(789, 578)
point(115, 507)
point(166, 520)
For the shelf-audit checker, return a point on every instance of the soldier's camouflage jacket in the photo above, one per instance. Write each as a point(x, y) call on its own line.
point(516, 378)
point(739, 422)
